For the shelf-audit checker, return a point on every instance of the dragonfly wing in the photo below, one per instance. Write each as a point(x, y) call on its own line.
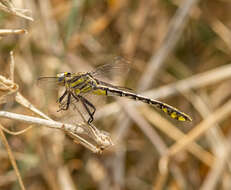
point(119, 66)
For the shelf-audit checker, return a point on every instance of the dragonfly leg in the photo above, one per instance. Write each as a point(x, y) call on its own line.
point(86, 103)
point(92, 106)
point(91, 118)
point(60, 99)
point(67, 104)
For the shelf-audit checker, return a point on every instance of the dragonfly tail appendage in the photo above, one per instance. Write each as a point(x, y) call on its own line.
point(171, 111)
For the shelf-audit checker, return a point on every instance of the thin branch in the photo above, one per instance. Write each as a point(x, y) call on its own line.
point(24, 102)
point(49, 123)
point(5, 32)
point(102, 138)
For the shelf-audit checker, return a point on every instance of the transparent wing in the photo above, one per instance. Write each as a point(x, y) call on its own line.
point(48, 82)
point(119, 66)
point(76, 111)
point(72, 115)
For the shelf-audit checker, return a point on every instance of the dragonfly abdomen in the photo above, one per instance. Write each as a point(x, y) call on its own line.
point(171, 111)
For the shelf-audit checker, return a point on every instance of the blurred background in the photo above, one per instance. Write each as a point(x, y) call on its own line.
point(180, 54)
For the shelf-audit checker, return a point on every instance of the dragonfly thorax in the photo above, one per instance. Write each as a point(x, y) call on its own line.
point(76, 82)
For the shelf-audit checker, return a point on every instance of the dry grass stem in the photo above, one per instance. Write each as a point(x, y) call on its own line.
point(96, 27)
point(173, 132)
point(49, 123)
point(160, 181)
point(24, 102)
point(175, 30)
point(196, 81)
point(214, 135)
point(18, 132)
point(7, 6)
point(12, 158)
point(5, 32)
point(103, 139)
point(7, 88)
point(146, 128)
point(12, 64)
point(216, 172)
point(65, 180)
point(217, 116)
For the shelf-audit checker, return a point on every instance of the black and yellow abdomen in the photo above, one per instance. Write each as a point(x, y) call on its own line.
point(171, 111)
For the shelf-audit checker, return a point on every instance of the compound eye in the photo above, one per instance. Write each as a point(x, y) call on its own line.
point(61, 77)
point(68, 74)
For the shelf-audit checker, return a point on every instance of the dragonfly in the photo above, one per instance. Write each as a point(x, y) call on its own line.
point(78, 85)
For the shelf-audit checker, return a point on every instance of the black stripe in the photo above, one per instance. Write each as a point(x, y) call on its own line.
point(74, 79)
point(82, 87)
point(131, 96)
point(157, 104)
point(143, 99)
point(118, 92)
point(78, 85)
point(62, 97)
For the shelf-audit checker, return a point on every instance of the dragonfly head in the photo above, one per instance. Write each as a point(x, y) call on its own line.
point(62, 76)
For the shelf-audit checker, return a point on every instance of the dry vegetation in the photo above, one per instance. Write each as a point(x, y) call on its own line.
point(180, 52)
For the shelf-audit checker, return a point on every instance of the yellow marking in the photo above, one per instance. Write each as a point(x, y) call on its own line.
point(165, 110)
point(86, 89)
point(76, 82)
point(100, 92)
point(181, 118)
point(173, 115)
point(77, 91)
